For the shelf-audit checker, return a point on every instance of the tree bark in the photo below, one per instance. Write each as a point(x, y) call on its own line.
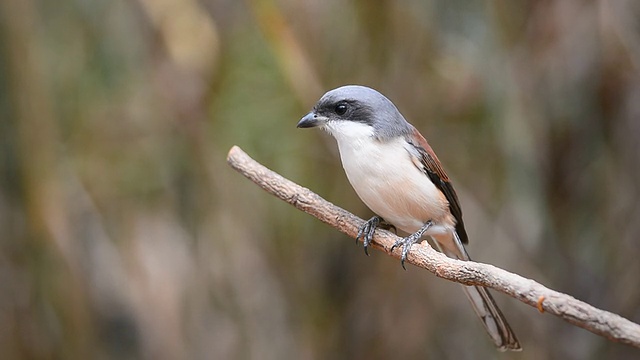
point(579, 313)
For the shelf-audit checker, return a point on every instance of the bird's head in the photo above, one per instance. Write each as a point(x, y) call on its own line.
point(355, 111)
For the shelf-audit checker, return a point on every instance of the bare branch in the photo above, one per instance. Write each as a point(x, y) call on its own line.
point(579, 313)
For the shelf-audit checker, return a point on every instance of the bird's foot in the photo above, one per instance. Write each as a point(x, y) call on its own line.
point(410, 240)
point(367, 230)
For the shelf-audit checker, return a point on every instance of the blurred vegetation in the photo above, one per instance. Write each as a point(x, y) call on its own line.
point(124, 234)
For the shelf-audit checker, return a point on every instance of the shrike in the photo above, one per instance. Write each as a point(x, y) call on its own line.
point(397, 175)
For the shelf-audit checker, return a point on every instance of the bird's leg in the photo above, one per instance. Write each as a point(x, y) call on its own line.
point(367, 230)
point(410, 240)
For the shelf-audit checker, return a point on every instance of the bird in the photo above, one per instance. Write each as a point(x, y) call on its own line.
point(396, 173)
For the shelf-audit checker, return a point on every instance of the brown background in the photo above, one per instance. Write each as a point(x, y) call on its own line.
point(123, 234)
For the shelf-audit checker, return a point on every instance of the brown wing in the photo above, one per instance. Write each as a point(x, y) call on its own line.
point(433, 169)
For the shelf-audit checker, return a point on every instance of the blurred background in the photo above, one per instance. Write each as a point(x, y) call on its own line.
point(124, 234)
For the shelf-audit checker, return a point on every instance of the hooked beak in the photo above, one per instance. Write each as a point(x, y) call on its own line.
point(311, 120)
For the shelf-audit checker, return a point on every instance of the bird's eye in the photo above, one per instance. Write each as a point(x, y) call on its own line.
point(341, 109)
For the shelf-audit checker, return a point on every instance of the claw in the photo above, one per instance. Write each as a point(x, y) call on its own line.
point(367, 230)
point(410, 240)
point(360, 232)
point(406, 246)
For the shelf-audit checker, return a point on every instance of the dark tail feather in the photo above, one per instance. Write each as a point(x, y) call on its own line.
point(483, 304)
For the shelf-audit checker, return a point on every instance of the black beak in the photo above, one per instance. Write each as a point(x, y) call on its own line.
point(310, 120)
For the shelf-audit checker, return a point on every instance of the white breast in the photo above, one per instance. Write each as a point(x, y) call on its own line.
point(387, 181)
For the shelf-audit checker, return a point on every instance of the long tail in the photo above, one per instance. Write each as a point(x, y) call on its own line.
point(483, 304)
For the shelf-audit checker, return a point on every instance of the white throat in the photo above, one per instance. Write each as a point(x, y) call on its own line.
point(349, 131)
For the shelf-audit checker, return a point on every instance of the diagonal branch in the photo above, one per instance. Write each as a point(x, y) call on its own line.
point(579, 313)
